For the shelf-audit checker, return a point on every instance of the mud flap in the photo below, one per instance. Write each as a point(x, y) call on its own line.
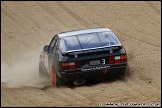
point(56, 79)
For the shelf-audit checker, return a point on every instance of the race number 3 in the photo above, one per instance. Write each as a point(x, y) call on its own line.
point(103, 61)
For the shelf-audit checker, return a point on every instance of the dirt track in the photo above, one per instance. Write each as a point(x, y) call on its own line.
point(27, 26)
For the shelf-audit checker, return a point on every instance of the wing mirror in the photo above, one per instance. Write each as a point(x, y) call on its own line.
point(46, 48)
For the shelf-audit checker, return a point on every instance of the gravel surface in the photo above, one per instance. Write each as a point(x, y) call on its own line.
point(27, 26)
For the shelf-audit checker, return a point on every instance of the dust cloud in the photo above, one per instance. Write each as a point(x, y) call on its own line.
point(24, 72)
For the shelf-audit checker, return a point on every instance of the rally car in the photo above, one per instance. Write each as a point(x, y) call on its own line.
point(79, 55)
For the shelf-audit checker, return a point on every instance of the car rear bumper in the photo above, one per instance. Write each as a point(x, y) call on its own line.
point(106, 72)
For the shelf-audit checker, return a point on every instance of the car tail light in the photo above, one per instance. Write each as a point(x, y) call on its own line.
point(71, 65)
point(65, 66)
point(117, 59)
point(123, 58)
point(111, 60)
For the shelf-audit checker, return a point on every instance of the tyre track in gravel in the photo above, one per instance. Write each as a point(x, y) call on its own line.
point(66, 94)
point(41, 20)
point(77, 17)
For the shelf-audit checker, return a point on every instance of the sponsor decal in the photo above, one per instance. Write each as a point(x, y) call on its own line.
point(95, 68)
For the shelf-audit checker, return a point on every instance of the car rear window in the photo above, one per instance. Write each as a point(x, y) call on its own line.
point(108, 38)
point(69, 43)
point(90, 40)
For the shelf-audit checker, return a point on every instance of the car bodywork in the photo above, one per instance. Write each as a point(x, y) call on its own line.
point(76, 56)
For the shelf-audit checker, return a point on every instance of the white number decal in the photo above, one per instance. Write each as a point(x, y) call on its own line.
point(103, 61)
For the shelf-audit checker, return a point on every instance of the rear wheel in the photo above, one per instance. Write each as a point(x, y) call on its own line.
point(79, 81)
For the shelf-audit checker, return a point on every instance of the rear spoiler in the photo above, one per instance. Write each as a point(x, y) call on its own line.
point(80, 51)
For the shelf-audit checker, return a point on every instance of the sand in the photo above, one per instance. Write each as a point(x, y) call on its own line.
point(27, 26)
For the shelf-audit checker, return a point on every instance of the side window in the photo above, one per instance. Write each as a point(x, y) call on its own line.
point(52, 44)
point(53, 41)
point(56, 46)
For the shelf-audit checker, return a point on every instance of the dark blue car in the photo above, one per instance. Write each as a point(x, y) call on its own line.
point(76, 56)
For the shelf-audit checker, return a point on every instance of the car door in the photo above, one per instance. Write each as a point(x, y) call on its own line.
point(48, 56)
point(55, 55)
point(51, 54)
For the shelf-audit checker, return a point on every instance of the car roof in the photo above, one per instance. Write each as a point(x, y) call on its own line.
point(77, 32)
